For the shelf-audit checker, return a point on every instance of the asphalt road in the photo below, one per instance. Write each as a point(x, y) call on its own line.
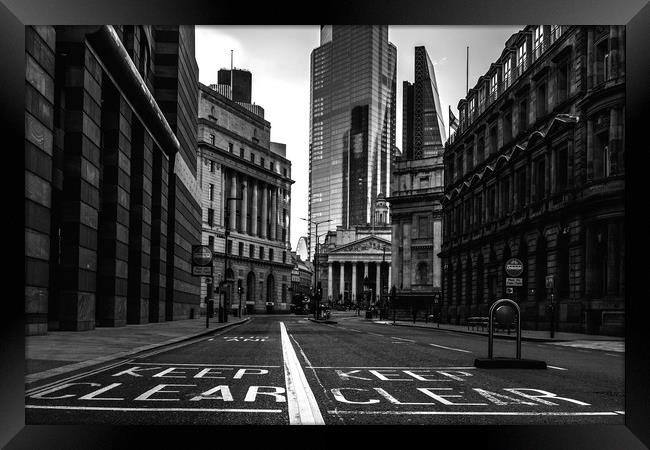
point(289, 370)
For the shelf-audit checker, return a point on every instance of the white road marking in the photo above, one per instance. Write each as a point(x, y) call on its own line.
point(612, 354)
point(402, 339)
point(477, 413)
point(620, 412)
point(200, 365)
point(451, 348)
point(352, 329)
point(555, 367)
point(303, 407)
point(391, 367)
point(111, 408)
point(375, 334)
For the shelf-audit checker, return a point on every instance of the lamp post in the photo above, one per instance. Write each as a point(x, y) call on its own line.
point(315, 259)
point(392, 301)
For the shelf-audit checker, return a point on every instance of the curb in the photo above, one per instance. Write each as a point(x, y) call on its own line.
point(322, 321)
point(31, 378)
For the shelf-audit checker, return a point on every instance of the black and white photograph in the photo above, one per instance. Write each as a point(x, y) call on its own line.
point(349, 224)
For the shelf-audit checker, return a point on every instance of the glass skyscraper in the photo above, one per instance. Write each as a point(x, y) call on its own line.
point(352, 124)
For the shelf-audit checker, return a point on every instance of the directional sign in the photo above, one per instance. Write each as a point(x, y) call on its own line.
point(550, 282)
point(514, 267)
point(514, 282)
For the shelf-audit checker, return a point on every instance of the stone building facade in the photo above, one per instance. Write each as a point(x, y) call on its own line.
point(111, 201)
point(237, 160)
point(536, 171)
point(416, 191)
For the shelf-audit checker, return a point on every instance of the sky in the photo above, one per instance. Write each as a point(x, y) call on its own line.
point(279, 57)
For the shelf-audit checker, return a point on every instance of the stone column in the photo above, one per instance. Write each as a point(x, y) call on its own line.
point(354, 282)
point(396, 254)
point(232, 205)
point(265, 211)
point(330, 280)
point(390, 269)
point(378, 281)
point(365, 269)
point(589, 261)
point(342, 279)
point(437, 240)
point(254, 200)
point(244, 206)
point(274, 213)
point(406, 277)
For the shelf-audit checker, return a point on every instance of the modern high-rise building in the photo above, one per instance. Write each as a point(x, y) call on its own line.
point(352, 125)
point(240, 82)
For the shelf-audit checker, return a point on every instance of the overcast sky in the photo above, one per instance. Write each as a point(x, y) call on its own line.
point(278, 57)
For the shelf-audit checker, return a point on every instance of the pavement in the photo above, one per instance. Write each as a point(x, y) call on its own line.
point(60, 352)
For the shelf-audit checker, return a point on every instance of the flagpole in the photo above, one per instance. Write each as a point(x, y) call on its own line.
point(467, 72)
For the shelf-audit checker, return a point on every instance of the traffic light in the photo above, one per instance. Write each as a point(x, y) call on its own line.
point(319, 291)
point(239, 287)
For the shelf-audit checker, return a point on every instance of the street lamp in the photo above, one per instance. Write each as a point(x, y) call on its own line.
point(366, 296)
point(315, 259)
point(392, 301)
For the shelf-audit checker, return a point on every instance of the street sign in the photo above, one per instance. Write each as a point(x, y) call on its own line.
point(509, 290)
point(550, 282)
point(201, 260)
point(514, 282)
point(514, 267)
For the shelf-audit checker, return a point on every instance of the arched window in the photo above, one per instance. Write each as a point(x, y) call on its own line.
point(270, 288)
point(250, 287)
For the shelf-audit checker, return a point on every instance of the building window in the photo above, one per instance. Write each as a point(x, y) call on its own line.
point(602, 163)
point(211, 242)
point(469, 155)
point(562, 176)
point(212, 139)
point(540, 179)
point(480, 146)
point(241, 152)
point(284, 257)
point(505, 196)
point(563, 81)
point(284, 171)
point(492, 203)
point(523, 116)
point(422, 276)
point(230, 147)
point(211, 192)
point(539, 41)
point(493, 140)
point(481, 100)
point(212, 166)
point(507, 72)
point(270, 254)
point(521, 188)
point(251, 251)
point(284, 293)
point(602, 60)
point(261, 252)
point(253, 157)
point(493, 86)
point(522, 62)
point(423, 227)
point(229, 248)
point(472, 108)
point(459, 166)
point(452, 169)
point(541, 100)
point(262, 162)
point(507, 127)
point(210, 216)
point(556, 32)
point(424, 182)
point(241, 249)
point(478, 209)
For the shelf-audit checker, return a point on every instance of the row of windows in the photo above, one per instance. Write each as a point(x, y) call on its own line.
point(272, 166)
point(251, 250)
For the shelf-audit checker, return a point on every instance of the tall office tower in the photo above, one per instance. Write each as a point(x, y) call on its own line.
point(240, 82)
point(423, 128)
point(352, 124)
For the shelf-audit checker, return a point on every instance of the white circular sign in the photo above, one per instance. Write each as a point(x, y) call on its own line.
point(202, 255)
point(514, 267)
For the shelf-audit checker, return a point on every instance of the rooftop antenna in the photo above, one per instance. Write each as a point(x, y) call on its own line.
point(231, 67)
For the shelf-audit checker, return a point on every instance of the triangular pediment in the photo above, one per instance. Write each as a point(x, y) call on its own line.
point(369, 244)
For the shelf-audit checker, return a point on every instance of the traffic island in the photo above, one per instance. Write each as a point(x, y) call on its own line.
point(508, 363)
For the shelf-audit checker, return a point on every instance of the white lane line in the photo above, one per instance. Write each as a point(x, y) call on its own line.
point(556, 368)
point(352, 329)
point(451, 348)
point(303, 407)
point(478, 413)
point(583, 351)
point(111, 408)
point(199, 365)
point(393, 367)
point(402, 339)
point(375, 334)
point(620, 412)
point(612, 354)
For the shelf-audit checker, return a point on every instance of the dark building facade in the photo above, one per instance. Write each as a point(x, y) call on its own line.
point(352, 124)
point(417, 187)
point(240, 82)
point(237, 160)
point(536, 171)
point(110, 138)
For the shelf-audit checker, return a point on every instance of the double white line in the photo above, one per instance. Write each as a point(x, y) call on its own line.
point(303, 407)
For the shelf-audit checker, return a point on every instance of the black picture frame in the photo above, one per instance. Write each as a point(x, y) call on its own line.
point(635, 14)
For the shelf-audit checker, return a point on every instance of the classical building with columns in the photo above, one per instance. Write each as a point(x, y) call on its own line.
point(536, 171)
point(349, 256)
point(246, 184)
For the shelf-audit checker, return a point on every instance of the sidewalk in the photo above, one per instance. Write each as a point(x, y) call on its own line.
point(610, 343)
point(64, 351)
